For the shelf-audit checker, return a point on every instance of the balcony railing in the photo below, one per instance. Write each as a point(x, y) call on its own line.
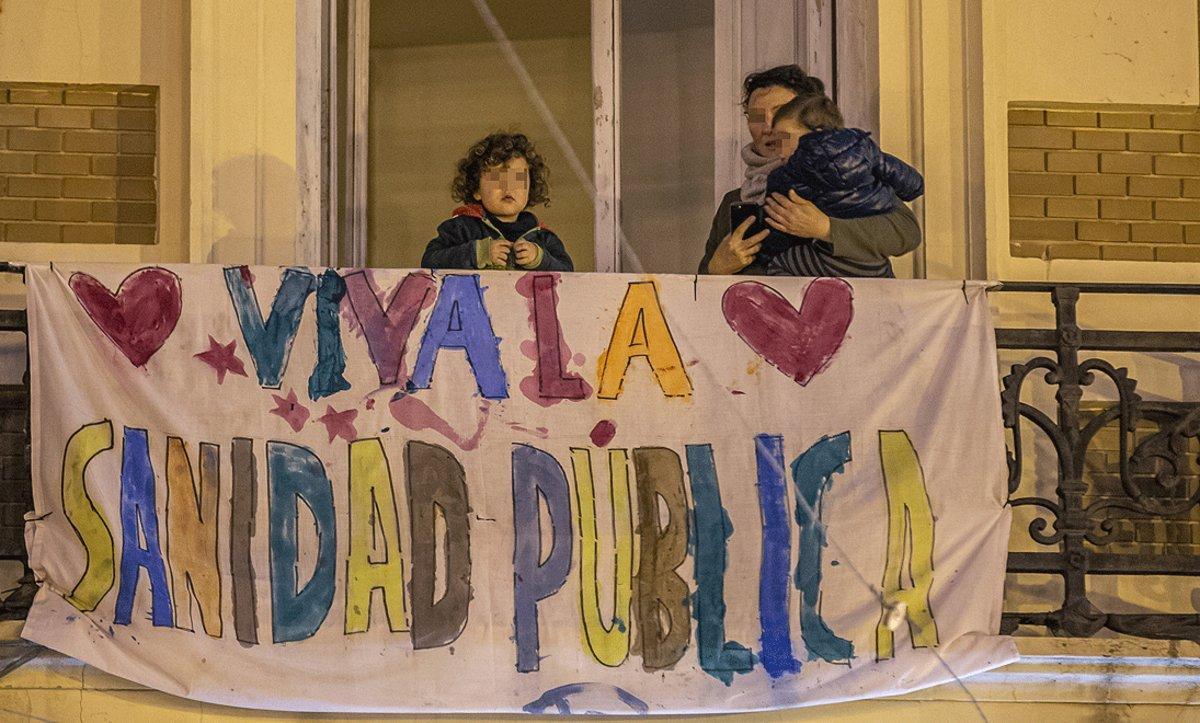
point(1078, 525)
point(16, 492)
point(1081, 522)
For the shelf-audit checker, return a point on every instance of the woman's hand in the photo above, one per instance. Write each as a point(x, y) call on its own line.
point(736, 251)
point(796, 216)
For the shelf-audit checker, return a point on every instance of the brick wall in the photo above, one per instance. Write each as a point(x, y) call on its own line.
point(78, 163)
point(1140, 533)
point(1104, 181)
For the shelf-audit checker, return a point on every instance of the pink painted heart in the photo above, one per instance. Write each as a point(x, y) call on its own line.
point(140, 316)
point(798, 343)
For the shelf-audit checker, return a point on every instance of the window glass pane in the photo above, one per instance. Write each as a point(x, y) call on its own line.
point(666, 133)
point(439, 82)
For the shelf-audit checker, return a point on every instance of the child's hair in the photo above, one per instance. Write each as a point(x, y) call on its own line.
point(815, 112)
point(495, 150)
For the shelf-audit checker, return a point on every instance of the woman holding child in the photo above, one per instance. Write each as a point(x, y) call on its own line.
point(852, 239)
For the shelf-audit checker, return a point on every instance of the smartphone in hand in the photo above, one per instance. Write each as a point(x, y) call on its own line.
point(739, 212)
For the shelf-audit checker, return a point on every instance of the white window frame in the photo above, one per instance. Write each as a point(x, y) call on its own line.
point(748, 35)
point(606, 132)
point(331, 131)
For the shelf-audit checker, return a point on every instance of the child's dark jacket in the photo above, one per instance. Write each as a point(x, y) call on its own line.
point(463, 242)
point(846, 175)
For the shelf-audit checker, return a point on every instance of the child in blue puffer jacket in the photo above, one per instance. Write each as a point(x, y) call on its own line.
point(843, 173)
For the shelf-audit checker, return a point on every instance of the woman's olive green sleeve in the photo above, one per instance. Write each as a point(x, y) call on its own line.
point(872, 239)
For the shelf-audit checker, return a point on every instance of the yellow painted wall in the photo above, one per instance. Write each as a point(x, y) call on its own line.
point(898, 121)
point(1097, 51)
point(923, 74)
point(244, 186)
point(115, 41)
point(944, 137)
point(226, 73)
point(1106, 51)
point(118, 701)
point(428, 104)
point(1117, 51)
point(1102, 51)
point(1101, 680)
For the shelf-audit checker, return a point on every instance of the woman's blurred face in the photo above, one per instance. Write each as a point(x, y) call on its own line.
point(760, 113)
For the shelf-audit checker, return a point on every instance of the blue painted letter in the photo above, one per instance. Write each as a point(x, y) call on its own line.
point(295, 474)
point(269, 343)
point(460, 321)
point(534, 472)
point(812, 473)
point(775, 568)
point(327, 378)
point(710, 529)
point(138, 511)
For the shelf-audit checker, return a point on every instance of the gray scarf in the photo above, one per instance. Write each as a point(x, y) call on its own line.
point(758, 167)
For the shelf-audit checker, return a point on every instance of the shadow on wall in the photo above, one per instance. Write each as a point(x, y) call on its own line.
point(253, 211)
point(1189, 374)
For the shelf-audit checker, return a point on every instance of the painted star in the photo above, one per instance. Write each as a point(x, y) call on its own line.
point(221, 357)
point(292, 411)
point(339, 424)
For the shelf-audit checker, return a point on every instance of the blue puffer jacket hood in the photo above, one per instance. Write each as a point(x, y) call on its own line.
point(846, 175)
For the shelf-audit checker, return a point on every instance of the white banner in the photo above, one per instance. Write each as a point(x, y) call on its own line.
point(383, 490)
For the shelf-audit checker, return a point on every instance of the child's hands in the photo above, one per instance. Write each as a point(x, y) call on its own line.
point(498, 253)
point(526, 252)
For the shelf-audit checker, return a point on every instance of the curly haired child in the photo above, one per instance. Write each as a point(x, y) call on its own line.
point(497, 180)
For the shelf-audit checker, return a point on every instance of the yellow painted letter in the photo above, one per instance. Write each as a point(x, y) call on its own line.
point(641, 331)
point(373, 527)
point(609, 644)
point(85, 517)
point(192, 515)
point(910, 527)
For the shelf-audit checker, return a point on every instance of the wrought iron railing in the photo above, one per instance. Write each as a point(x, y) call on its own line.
point(15, 401)
point(1080, 523)
point(1075, 525)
